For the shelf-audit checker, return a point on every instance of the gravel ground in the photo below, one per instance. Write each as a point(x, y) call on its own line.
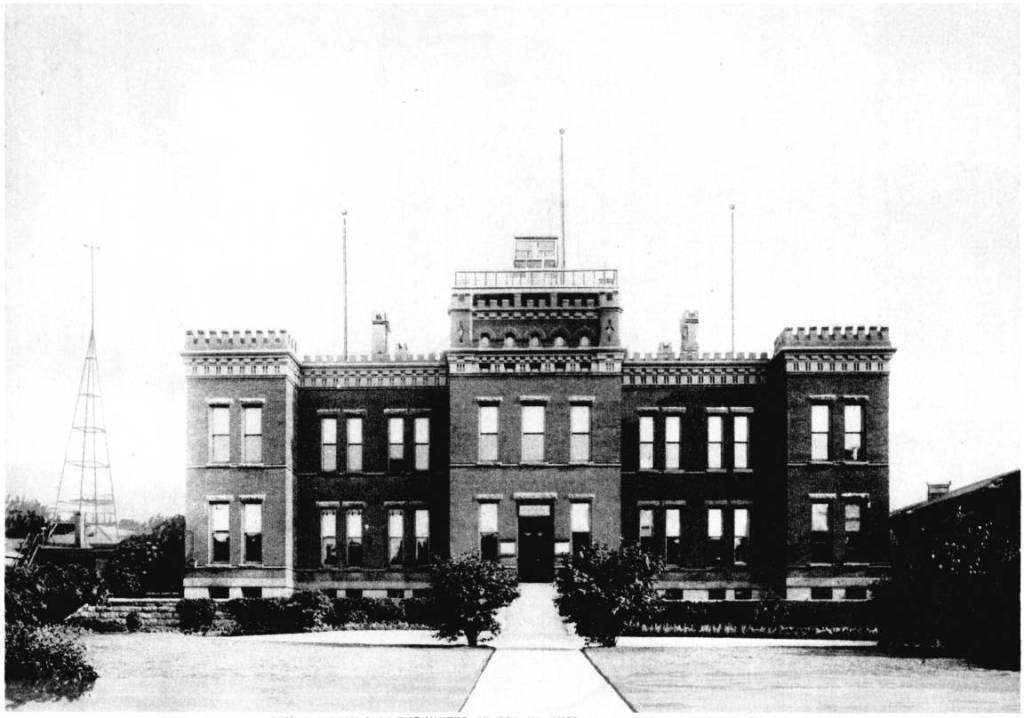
point(172, 672)
point(763, 679)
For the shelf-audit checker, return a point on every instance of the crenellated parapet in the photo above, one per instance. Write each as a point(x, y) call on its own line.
point(239, 341)
point(394, 370)
point(688, 368)
point(834, 337)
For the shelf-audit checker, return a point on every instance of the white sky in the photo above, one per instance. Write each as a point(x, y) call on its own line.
point(872, 152)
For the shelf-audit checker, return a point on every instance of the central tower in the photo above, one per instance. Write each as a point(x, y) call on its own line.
point(535, 384)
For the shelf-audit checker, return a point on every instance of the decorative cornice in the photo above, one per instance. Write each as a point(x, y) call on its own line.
point(572, 361)
point(848, 362)
point(656, 373)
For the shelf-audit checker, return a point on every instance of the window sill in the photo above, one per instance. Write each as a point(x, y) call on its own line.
point(717, 471)
point(851, 462)
point(250, 464)
point(743, 471)
point(534, 463)
point(856, 564)
point(821, 564)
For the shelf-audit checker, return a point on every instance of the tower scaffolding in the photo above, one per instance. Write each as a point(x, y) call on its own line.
point(87, 451)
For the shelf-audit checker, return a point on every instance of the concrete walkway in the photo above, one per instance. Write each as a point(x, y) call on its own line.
point(538, 668)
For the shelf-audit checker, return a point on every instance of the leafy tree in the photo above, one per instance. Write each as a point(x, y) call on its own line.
point(601, 590)
point(48, 593)
point(467, 593)
point(152, 562)
point(24, 516)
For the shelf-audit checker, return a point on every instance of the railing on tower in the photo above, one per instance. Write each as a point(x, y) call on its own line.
point(577, 278)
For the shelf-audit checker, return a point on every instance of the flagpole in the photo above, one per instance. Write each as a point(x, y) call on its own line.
point(344, 278)
point(561, 167)
point(732, 274)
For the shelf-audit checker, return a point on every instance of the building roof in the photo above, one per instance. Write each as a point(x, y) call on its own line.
point(991, 482)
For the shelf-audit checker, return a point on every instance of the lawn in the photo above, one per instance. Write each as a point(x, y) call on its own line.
point(172, 672)
point(761, 679)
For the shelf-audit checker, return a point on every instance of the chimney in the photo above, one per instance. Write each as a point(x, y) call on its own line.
point(937, 491)
point(379, 337)
point(688, 346)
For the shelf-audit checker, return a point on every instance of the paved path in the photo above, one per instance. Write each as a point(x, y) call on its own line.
point(538, 667)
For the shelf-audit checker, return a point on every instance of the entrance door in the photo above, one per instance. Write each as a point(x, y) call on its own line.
point(536, 543)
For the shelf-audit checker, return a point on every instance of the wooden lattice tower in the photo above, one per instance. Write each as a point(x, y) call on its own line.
point(85, 492)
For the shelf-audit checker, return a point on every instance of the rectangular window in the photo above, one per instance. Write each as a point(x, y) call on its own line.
point(579, 520)
point(579, 430)
point(220, 532)
point(715, 535)
point(533, 433)
point(354, 443)
point(672, 442)
point(646, 442)
point(819, 432)
point(422, 536)
point(220, 435)
point(854, 547)
point(740, 442)
point(354, 537)
point(714, 442)
point(396, 536)
point(329, 444)
point(821, 593)
point(328, 537)
point(673, 545)
point(821, 534)
point(252, 532)
point(488, 523)
point(396, 438)
point(647, 540)
point(740, 536)
point(853, 432)
point(487, 451)
point(421, 438)
point(252, 434)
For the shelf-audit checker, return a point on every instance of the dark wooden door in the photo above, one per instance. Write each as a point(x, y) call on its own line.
point(536, 549)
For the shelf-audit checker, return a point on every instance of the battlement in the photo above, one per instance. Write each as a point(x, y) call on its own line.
point(665, 354)
point(239, 341)
point(829, 337)
point(398, 358)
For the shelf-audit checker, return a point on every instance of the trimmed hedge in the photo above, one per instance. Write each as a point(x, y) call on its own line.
point(316, 611)
point(767, 618)
point(96, 625)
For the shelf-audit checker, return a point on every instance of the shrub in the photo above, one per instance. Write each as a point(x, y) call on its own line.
point(419, 611)
point(196, 615)
point(602, 590)
point(467, 591)
point(260, 615)
point(95, 624)
point(44, 663)
point(367, 610)
point(133, 622)
point(310, 610)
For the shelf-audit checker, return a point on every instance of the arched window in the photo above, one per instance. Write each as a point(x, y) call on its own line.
point(559, 341)
point(510, 340)
point(485, 340)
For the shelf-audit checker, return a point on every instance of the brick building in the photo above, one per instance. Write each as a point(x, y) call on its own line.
point(533, 434)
